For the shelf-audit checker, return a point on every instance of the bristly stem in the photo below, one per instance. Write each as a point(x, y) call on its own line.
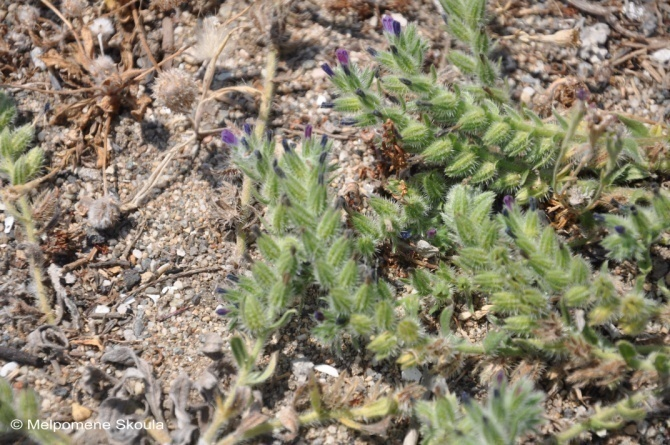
point(261, 125)
point(224, 409)
point(35, 267)
point(577, 117)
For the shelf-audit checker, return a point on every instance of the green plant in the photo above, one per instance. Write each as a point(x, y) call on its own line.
point(19, 167)
point(19, 415)
point(510, 412)
point(546, 306)
point(472, 131)
point(636, 228)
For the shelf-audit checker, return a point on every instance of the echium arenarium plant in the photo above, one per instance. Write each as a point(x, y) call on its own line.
point(19, 165)
point(304, 246)
point(471, 131)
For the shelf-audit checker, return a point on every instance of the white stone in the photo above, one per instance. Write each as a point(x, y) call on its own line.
point(411, 375)
point(527, 95)
point(327, 369)
point(9, 223)
point(662, 55)
point(301, 369)
point(102, 309)
point(8, 368)
point(594, 35)
point(400, 19)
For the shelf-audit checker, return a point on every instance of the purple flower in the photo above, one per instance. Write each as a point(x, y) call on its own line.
point(229, 138)
point(397, 28)
point(222, 311)
point(247, 129)
point(387, 23)
point(431, 233)
point(508, 201)
point(373, 52)
point(582, 94)
point(324, 140)
point(308, 131)
point(405, 234)
point(620, 230)
point(318, 316)
point(328, 70)
point(500, 378)
point(342, 57)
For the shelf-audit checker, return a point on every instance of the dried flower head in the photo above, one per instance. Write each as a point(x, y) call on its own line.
point(103, 213)
point(103, 29)
point(27, 16)
point(176, 90)
point(73, 8)
point(102, 68)
point(209, 36)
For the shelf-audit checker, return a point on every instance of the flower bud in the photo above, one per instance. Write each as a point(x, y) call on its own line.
point(342, 56)
point(397, 28)
point(222, 311)
point(343, 59)
point(247, 129)
point(229, 138)
point(324, 140)
point(318, 316)
point(508, 201)
point(621, 230)
point(328, 70)
point(348, 121)
point(373, 52)
point(387, 24)
point(308, 131)
point(430, 233)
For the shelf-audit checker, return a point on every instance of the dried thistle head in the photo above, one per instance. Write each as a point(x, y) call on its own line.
point(102, 27)
point(209, 36)
point(176, 90)
point(27, 16)
point(102, 68)
point(73, 8)
point(103, 213)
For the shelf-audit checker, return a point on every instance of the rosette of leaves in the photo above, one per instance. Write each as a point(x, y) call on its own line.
point(305, 247)
point(469, 131)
